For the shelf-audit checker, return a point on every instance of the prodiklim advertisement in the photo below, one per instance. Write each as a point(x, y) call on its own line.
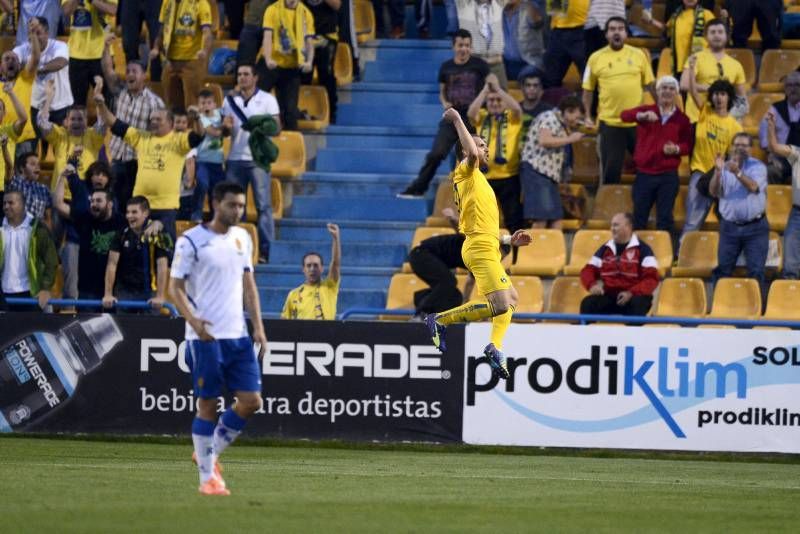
point(636, 388)
point(321, 380)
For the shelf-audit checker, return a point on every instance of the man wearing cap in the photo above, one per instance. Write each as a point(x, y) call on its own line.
point(133, 104)
point(663, 136)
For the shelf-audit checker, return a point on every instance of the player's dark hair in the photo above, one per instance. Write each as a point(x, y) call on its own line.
point(15, 192)
point(570, 102)
point(716, 22)
point(205, 93)
point(139, 200)
point(227, 187)
point(317, 254)
point(106, 191)
point(77, 107)
point(98, 167)
point(43, 22)
point(615, 19)
point(23, 160)
point(722, 86)
point(461, 33)
point(178, 111)
point(745, 135)
point(534, 75)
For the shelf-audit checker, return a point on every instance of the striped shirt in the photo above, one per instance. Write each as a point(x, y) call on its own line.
point(602, 10)
point(134, 111)
point(37, 196)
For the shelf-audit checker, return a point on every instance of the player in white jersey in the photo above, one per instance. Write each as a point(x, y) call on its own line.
point(212, 283)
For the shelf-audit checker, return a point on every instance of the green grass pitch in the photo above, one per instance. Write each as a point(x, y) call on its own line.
point(91, 486)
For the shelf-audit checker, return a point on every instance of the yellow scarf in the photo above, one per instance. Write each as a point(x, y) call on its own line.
point(295, 34)
point(169, 24)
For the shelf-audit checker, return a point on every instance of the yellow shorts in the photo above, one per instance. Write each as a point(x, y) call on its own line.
point(481, 255)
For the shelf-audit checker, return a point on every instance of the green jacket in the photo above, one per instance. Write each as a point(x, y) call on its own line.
point(42, 258)
point(262, 128)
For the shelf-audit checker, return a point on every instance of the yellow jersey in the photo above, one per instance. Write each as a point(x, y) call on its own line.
point(23, 86)
point(684, 35)
point(63, 144)
point(713, 135)
point(86, 39)
point(312, 301)
point(503, 160)
point(7, 130)
point(187, 33)
point(160, 166)
point(575, 16)
point(708, 70)
point(620, 76)
point(477, 204)
point(288, 32)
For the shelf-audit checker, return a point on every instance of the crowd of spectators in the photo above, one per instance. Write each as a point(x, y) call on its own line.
point(165, 154)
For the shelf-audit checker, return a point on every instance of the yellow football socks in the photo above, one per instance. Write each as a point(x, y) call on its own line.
point(499, 326)
point(474, 310)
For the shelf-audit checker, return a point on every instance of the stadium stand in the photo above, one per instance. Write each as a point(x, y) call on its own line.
point(566, 295)
point(681, 297)
point(737, 298)
point(697, 255)
point(546, 258)
point(584, 244)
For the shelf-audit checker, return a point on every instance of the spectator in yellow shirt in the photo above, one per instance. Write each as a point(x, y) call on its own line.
point(288, 51)
point(620, 73)
point(316, 298)
point(185, 39)
point(86, 42)
point(715, 64)
point(686, 30)
point(11, 70)
point(500, 124)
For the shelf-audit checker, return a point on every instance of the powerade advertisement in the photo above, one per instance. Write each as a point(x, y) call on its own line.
point(636, 388)
point(321, 380)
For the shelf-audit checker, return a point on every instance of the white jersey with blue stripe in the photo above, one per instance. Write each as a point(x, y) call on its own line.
point(213, 266)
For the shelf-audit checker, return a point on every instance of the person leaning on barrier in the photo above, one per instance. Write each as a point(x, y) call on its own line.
point(316, 297)
point(622, 275)
point(28, 258)
point(132, 257)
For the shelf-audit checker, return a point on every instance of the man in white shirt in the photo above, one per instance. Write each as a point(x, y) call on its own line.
point(53, 65)
point(242, 103)
point(212, 283)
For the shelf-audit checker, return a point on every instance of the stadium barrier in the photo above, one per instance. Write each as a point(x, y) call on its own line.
point(571, 385)
point(88, 303)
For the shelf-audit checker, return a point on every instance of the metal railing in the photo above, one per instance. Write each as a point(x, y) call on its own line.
point(78, 303)
point(585, 319)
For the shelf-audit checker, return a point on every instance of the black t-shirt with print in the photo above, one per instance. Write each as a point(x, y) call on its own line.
point(137, 262)
point(95, 241)
point(463, 82)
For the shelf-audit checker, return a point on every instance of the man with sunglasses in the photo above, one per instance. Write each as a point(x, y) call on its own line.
point(714, 64)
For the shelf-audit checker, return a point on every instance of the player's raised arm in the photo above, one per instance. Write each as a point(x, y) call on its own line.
point(465, 138)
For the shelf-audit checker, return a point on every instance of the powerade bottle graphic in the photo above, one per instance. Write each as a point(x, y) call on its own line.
point(39, 371)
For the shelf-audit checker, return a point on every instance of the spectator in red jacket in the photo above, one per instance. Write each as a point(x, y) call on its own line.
point(622, 274)
point(663, 136)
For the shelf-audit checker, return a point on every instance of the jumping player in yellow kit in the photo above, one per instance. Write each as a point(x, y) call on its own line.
point(479, 221)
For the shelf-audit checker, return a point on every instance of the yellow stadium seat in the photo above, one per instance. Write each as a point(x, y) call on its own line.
point(276, 191)
point(566, 295)
point(579, 191)
point(444, 199)
point(182, 226)
point(664, 63)
point(681, 297)
point(585, 163)
point(584, 244)
point(313, 99)
point(545, 256)
point(291, 161)
point(661, 243)
point(746, 57)
point(401, 293)
point(343, 64)
point(117, 56)
point(251, 229)
point(775, 64)
point(219, 95)
point(610, 200)
point(782, 300)
point(364, 21)
point(531, 294)
point(759, 104)
point(779, 204)
point(697, 255)
point(736, 298)
point(572, 79)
